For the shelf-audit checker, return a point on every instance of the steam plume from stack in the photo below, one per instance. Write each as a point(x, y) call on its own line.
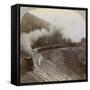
point(70, 26)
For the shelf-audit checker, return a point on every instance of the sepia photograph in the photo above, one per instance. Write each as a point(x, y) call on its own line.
point(52, 44)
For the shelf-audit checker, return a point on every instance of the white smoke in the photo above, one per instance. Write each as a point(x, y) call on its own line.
point(70, 24)
point(28, 39)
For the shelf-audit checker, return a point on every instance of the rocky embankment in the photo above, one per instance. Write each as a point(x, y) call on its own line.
point(57, 64)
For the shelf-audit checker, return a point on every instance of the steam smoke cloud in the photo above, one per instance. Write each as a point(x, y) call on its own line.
point(68, 23)
point(28, 39)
